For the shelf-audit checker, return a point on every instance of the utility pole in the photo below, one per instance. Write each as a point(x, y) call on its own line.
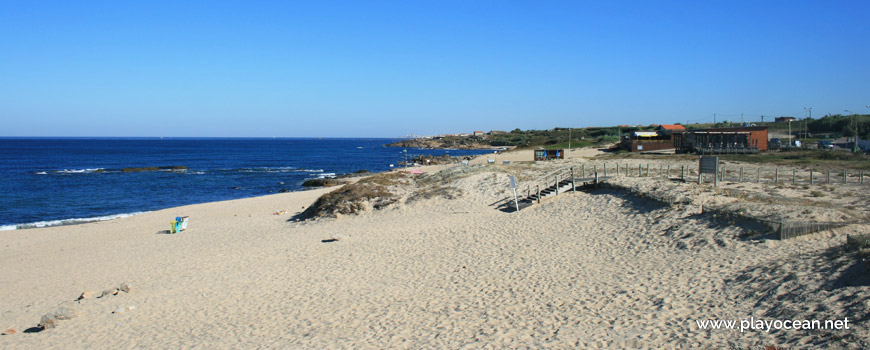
point(741, 119)
point(714, 118)
point(569, 143)
point(855, 123)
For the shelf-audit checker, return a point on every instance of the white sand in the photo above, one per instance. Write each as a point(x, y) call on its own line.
point(588, 270)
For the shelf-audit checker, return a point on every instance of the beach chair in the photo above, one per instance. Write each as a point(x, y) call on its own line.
point(179, 224)
point(175, 226)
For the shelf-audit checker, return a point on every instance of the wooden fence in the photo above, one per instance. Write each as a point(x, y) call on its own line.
point(728, 173)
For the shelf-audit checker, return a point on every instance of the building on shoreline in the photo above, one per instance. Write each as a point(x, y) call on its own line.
point(549, 154)
point(661, 139)
point(744, 139)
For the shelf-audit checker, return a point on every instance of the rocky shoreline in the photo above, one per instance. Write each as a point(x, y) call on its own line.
point(461, 143)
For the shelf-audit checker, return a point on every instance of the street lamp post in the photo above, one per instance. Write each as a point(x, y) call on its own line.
point(810, 111)
point(789, 133)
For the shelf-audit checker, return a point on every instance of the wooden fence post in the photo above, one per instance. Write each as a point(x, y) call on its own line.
point(811, 176)
point(828, 177)
point(758, 175)
point(573, 184)
point(741, 175)
point(794, 175)
point(583, 170)
point(683, 173)
point(776, 176)
point(539, 193)
point(669, 171)
point(844, 176)
point(639, 170)
point(605, 169)
point(617, 168)
point(557, 184)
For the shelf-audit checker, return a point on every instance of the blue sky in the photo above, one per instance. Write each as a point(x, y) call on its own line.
point(384, 68)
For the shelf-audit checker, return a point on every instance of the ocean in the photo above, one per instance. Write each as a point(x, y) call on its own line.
point(57, 181)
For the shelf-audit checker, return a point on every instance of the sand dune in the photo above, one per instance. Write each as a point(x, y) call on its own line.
point(602, 269)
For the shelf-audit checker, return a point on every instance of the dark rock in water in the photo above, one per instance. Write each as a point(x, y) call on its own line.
point(154, 168)
point(362, 171)
point(282, 190)
point(237, 188)
point(314, 183)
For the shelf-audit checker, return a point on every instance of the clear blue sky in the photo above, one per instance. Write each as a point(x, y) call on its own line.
point(384, 68)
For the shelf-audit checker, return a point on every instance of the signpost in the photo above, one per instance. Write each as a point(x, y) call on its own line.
point(514, 187)
point(709, 165)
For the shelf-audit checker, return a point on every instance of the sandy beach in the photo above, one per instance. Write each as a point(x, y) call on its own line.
point(601, 268)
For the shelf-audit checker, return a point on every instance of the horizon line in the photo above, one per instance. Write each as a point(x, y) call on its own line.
point(198, 137)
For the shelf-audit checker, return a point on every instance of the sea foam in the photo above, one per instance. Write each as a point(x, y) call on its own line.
point(63, 222)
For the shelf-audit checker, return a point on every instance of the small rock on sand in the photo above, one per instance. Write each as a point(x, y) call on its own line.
point(9, 331)
point(87, 295)
point(64, 313)
point(121, 309)
point(48, 321)
point(108, 292)
point(126, 287)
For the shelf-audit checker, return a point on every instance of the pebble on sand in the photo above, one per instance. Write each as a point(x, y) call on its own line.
point(120, 309)
point(64, 313)
point(47, 321)
point(108, 292)
point(126, 287)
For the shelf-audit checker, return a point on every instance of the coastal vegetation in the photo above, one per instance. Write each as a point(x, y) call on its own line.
point(552, 138)
point(356, 197)
point(321, 183)
point(827, 127)
point(382, 190)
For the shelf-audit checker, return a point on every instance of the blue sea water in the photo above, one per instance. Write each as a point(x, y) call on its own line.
point(68, 180)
